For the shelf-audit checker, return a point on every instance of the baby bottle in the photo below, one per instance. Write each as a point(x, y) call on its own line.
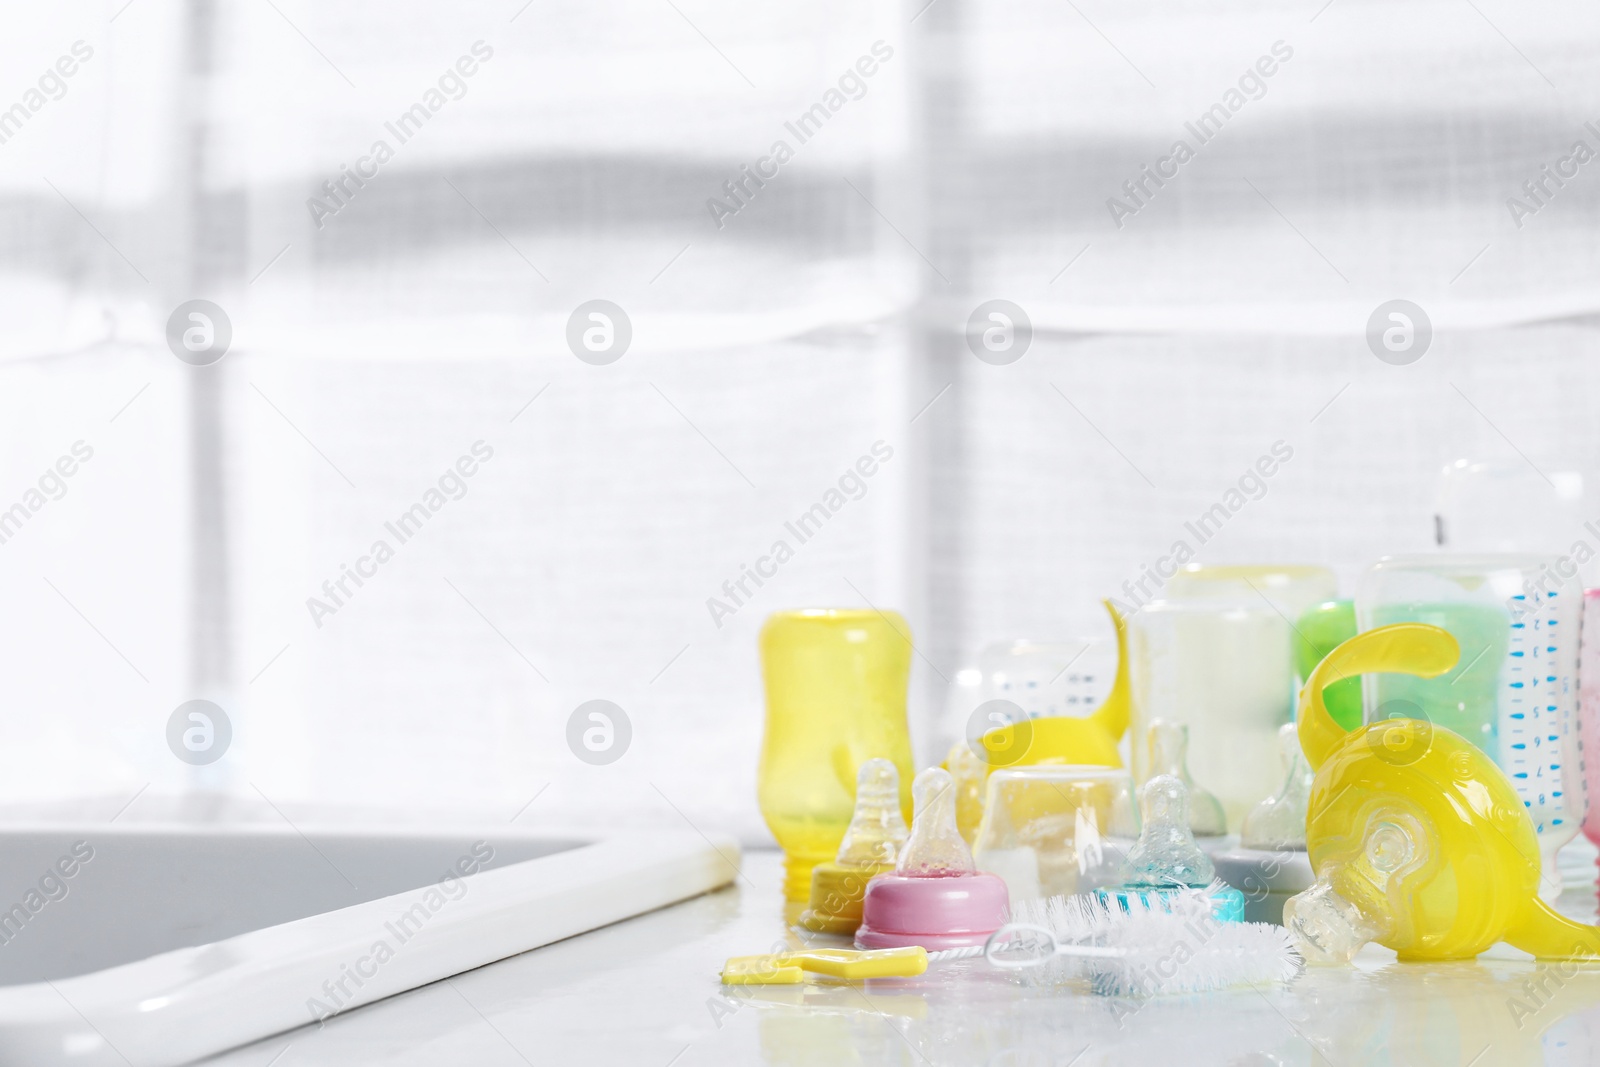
point(1589, 709)
point(1514, 691)
point(1071, 735)
point(1292, 588)
point(1321, 629)
point(835, 683)
point(1226, 671)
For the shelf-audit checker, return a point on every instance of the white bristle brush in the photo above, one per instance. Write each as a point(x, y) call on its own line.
point(1167, 944)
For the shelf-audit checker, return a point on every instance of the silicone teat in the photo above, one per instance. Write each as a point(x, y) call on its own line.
point(1331, 926)
point(871, 843)
point(934, 897)
point(877, 829)
point(1166, 854)
point(1418, 840)
point(1279, 821)
point(935, 848)
point(1326, 927)
point(1169, 755)
point(970, 774)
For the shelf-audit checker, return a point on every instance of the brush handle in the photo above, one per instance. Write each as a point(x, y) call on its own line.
point(1042, 939)
point(947, 954)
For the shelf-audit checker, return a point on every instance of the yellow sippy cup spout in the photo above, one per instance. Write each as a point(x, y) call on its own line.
point(1408, 647)
point(1418, 840)
point(1550, 935)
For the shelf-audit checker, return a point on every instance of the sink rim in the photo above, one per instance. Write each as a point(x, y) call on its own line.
point(186, 1003)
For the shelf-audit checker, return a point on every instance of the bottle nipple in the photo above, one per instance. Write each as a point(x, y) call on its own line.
point(1327, 928)
point(1169, 755)
point(935, 848)
point(1279, 821)
point(1166, 854)
point(971, 775)
point(877, 829)
point(935, 897)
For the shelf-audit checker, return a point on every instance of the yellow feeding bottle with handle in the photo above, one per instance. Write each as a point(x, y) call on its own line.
point(835, 681)
point(1053, 740)
point(1067, 739)
point(1418, 840)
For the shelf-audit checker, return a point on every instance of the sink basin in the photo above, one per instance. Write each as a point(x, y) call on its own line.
point(157, 945)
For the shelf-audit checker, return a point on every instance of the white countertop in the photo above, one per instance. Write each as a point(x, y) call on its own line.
point(646, 992)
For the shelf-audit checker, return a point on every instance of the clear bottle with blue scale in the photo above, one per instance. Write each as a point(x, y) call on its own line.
point(1514, 691)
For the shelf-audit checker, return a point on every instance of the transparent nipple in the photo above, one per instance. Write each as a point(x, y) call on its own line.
point(1330, 927)
point(970, 774)
point(935, 848)
point(1166, 854)
point(1169, 751)
point(877, 829)
point(1279, 821)
point(1327, 928)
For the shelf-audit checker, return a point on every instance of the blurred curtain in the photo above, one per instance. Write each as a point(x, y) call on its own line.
point(534, 157)
point(392, 309)
point(1223, 308)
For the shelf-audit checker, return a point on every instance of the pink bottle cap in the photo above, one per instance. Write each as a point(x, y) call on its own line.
point(936, 913)
point(935, 898)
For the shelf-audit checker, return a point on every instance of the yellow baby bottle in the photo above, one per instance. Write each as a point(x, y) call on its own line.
point(1418, 840)
point(835, 682)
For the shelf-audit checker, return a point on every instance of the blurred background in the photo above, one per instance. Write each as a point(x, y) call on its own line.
point(381, 327)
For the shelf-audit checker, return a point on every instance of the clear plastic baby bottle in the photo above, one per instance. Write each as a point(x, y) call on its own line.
point(1226, 671)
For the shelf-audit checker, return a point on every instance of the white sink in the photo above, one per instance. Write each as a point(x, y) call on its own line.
point(154, 946)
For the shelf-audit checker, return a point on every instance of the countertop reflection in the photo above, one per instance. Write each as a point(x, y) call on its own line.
point(646, 992)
